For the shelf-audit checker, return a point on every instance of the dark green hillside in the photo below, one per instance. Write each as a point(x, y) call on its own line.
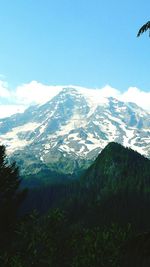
point(118, 188)
point(118, 168)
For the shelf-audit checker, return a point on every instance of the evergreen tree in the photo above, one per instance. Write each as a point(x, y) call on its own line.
point(10, 196)
point(144, 28)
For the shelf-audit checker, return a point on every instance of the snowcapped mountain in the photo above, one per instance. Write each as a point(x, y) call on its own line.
point(74, 126)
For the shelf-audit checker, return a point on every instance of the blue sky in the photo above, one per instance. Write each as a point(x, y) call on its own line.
point(89, 43)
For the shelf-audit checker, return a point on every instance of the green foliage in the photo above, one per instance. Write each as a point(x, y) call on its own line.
point(52, 241)
point(99, 247)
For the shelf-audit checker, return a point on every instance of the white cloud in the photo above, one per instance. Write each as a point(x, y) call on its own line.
point(137, 96)
point(35, 93)
point(133, 94)
point(108, 91)
point(8, 110)
point(38, 93)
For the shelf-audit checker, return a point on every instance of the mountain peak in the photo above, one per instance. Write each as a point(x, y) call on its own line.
point(115, 150)
point(75, 125)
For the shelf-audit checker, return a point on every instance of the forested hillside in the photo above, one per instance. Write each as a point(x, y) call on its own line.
point(101, 219)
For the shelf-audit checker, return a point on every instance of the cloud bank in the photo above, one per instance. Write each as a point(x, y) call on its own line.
point(12, 101)
point(35, 93)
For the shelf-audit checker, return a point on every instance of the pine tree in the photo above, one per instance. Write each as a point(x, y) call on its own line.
point(144, 28)
point(10, 196)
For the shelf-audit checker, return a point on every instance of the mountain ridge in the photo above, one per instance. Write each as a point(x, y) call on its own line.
point(116, 166)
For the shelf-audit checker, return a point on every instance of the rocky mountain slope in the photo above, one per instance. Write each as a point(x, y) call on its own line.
point(71, 129)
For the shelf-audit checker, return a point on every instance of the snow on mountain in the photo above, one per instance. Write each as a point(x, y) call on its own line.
point(77, 123)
